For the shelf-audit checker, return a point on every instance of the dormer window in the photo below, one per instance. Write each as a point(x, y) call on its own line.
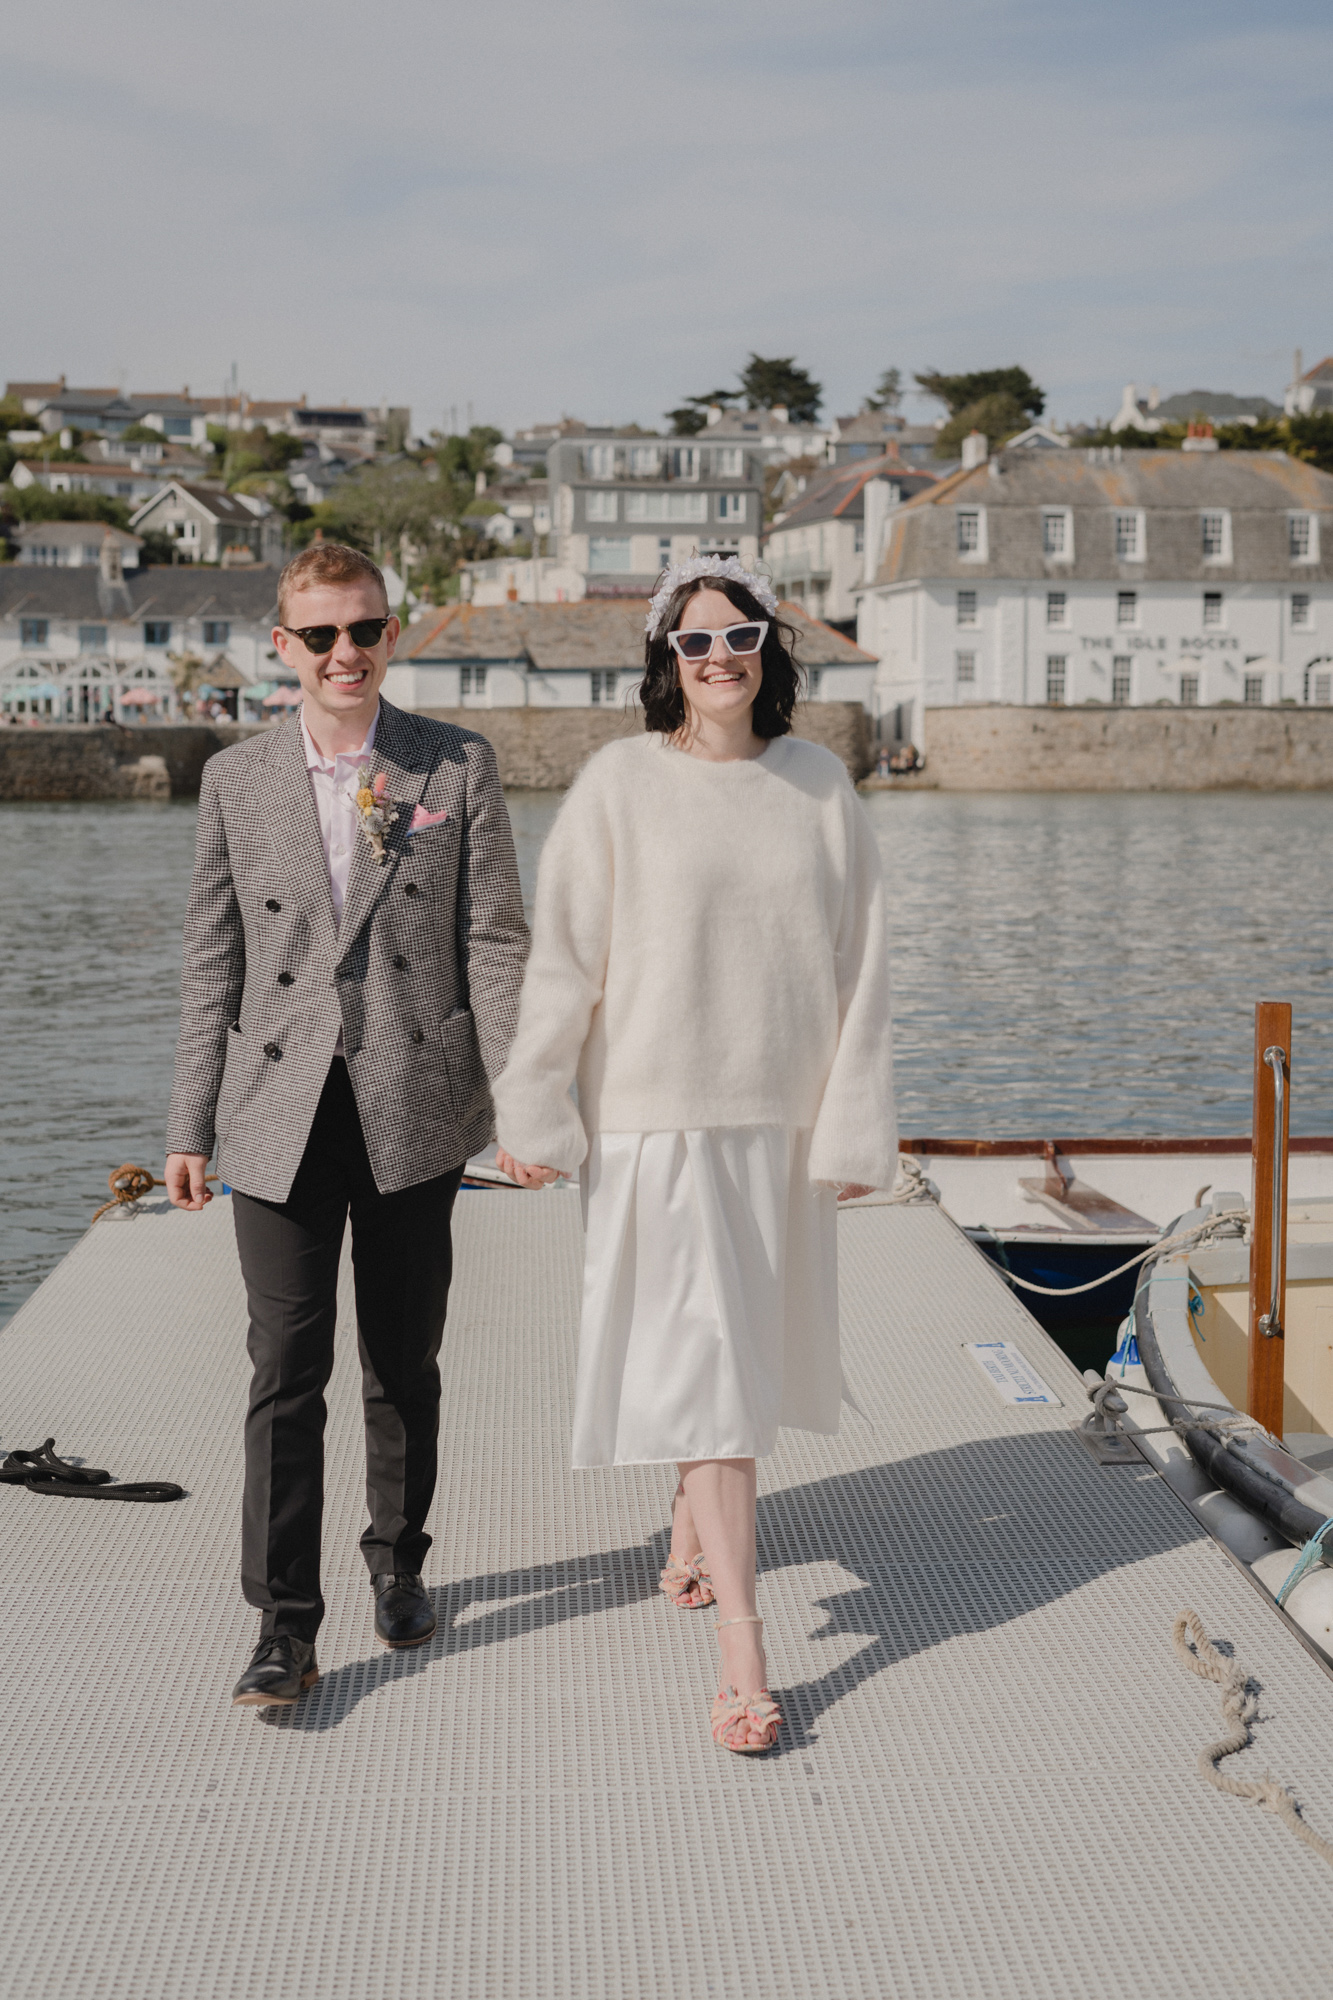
point(1215, 530)
point(1057, 534)
point(1129, 537)
point(971, 533)
point(1303, 537)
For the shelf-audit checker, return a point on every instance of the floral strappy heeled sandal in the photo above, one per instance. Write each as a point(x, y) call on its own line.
point(687, 1584)
point(741, 1713)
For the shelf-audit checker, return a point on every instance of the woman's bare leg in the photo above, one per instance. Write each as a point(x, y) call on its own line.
point(685, 1543)
point(720, 1494)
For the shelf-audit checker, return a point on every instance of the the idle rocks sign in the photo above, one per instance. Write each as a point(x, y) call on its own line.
point(1142, 642)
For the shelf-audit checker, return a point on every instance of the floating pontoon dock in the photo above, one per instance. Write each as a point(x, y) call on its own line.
point(987, 1785)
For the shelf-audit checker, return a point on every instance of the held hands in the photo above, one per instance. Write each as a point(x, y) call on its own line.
point(184, 1175)
point(528, 1177)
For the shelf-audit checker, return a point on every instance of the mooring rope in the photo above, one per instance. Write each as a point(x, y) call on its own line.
point(1239, 1709)
point(1158, 1249)
point(129, 1184)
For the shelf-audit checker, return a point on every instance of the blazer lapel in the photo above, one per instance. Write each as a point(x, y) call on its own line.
point(289, 808)
point(398, 753)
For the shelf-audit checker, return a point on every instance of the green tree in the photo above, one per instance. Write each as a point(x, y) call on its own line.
point(889, 393)
point(34, 503)
point(778, 381)
point(1311, 439)
point(158, 551)
point(997, 416)
point(959, 392)
point(692, 416)
point(140, 434)
point(464, 456)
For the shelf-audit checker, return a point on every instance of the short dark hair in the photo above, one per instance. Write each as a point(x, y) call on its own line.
point(328, 562)
point(660, 691)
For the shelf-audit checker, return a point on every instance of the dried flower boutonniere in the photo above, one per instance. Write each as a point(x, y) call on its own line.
point(375, 812)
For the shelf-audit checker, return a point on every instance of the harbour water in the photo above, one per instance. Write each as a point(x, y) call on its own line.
point(1064, 964)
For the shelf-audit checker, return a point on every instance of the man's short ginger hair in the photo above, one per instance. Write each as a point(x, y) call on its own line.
point(327, 562)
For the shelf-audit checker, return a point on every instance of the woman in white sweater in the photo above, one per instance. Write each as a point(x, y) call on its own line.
point(709, 968)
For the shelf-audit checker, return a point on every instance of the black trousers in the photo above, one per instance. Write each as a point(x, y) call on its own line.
point(402, 1252)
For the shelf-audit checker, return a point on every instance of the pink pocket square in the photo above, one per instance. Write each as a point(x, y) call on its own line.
point(420, 818)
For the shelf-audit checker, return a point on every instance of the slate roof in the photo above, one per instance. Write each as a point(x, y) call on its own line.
point(1213, 403)
point(222, 506)
point(1173, 488)
point(73, 534)
point(596, 633)
point(247, 595)
point(839, 495)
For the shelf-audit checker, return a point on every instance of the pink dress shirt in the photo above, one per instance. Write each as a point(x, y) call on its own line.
point(333, 781)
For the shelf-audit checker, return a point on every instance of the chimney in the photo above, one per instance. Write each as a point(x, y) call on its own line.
point(877, 497)
point(109, 559)
point(1154, 397)
point(779, 413)
point(1297, 365)
point(976, 450)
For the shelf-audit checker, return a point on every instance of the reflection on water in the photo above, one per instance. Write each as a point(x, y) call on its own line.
point(1063, 964)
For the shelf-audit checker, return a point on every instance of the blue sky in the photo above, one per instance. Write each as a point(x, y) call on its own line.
point(597, 208)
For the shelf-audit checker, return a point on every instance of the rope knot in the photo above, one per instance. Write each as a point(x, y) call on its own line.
point(128, 1184)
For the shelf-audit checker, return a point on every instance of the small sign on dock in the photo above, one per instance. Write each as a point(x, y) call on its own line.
point(1016, 1379)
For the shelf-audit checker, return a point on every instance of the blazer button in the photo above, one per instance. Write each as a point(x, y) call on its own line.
point(417, 1035)
point(400, 963)
point(272, 1050)
point(285, 978)
point(411, 889)
point(273, 904)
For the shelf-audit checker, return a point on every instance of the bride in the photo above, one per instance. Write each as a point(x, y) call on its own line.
point(709, 966)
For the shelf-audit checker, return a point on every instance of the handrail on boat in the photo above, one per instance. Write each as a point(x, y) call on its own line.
point(1265, 1388)
point(1270, 1325)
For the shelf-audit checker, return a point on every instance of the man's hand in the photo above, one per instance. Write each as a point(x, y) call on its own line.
point(185, 1180)
point(528, 1177)
point(852, 1192)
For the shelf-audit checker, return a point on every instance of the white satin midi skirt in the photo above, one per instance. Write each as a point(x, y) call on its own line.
point(710, 1296)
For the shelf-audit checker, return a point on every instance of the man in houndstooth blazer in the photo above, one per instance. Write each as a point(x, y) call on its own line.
point(341, 1016)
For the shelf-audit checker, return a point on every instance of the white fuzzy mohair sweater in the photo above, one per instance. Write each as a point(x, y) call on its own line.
point(709, 949)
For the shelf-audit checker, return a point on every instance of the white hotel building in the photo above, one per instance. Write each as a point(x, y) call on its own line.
point(1102, 576)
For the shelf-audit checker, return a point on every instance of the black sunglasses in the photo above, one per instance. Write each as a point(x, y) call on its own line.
point(363, 632)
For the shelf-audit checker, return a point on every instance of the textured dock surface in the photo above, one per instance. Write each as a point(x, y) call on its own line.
point(987, 1784)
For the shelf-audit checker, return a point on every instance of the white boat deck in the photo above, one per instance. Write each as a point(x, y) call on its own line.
point(986, 1787)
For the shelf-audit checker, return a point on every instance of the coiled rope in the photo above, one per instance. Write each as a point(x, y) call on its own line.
point(1239, 1709)
point(129, 1184)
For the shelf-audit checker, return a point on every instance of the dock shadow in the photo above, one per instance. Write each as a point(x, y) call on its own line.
point(948, 1543)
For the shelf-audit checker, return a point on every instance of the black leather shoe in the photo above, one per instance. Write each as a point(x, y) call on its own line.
point(404, 1615)
point(282, 1668)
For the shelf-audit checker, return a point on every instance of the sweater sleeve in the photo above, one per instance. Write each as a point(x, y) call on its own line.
point(856, 1133)
point(536, 1118)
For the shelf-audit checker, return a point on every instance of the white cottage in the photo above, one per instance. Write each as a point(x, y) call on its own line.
point(1105, 576)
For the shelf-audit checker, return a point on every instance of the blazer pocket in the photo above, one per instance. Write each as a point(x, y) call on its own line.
point(463, 1065)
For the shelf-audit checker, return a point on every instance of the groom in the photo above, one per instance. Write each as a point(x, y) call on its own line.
point(354, 945)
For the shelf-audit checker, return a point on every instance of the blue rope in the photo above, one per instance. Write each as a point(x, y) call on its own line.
point(1308, 1557)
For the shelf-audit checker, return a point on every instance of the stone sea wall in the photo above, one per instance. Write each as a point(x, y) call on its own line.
point(101, 761)
point(979, 748)
point(540, 749)
point(543, 749)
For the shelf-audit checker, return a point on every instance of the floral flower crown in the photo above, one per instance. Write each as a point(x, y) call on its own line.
point(725, 566)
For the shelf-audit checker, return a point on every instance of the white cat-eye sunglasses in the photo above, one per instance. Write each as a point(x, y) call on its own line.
point(742, 641)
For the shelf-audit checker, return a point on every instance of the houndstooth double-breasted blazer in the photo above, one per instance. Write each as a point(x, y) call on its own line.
point(422, 975)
